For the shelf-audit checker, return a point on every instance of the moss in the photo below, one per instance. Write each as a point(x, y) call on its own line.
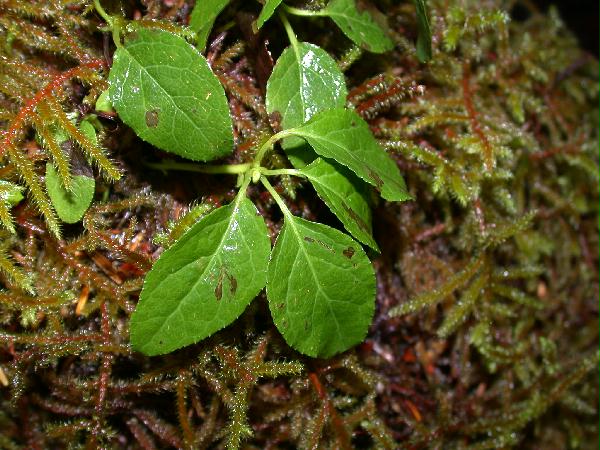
point(486, 331)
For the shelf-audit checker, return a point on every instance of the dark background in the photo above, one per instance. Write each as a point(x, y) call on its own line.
point(582, 17)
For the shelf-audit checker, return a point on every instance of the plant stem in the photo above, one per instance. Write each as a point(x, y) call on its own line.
point(284, 209)
point(289, 30)
point(291, 172)
point(107, 18)
point(269, 145)
point(303, 12)
point(228, 169)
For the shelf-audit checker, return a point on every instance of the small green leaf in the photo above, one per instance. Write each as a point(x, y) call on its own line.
point(266, 12)
point(305, 81)
point(424, 38)
point(10, 193)
point(342, 135)
point(346, 197)
point(204, 281)
point(320, 287)
point(203, 17)
point(359, 25)
point(69, 205)
point(103, 102)
point(163, 88)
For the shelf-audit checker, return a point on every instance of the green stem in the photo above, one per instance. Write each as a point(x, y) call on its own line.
point(107, 18)
point(284, 209)
point(228, 169)
point(304, 12)
point(268, 146)
point(289, 30)
point(291, 172)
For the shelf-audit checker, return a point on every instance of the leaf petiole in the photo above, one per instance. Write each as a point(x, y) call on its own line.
point(303, 12)
point(275, 172)
point(107, 18)
point(227, 169)
point(284, 209)
point(289, 30)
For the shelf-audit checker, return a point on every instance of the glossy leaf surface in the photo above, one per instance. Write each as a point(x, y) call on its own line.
point(204, 281)
point(163, 88)
point(305, 81)
point(321, 288)
point(69, 205)
point(345, 195)
point(359, 25)
point(345, 137)
point(203, 17)
point(266, 12)
point(424, 38)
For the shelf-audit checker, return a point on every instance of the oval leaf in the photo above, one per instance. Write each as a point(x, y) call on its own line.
point(321, 288)
point(305, 81)
point(162, 87)
point(359, 26)
point(204, 281)
point(346, 197)
point(69, 205)
point(203, 17)
point(266, 12)
point(345, 137)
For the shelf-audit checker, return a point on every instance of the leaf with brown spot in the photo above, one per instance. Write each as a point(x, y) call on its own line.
point(204, 281)
point(331, 134)
point(345, 195)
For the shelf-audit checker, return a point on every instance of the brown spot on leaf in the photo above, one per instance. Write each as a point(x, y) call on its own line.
point(309, 239)
point(376, 179)
point(357, 219)
point(219, 289)
point(349, 252)
point(232, 284)
point(152, 118)
point(280, 305)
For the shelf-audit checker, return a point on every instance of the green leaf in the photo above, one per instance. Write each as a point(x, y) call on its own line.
point(266, 12)
point(342, 135)
point(320, 287)
point(203, 17)
point(424, 38)
point(346, 197)
point(305, 81)
point(10, 193)
point(69, 205)
point(163, 88)
point(103, 103)
point(359, 25)
point(204, 281)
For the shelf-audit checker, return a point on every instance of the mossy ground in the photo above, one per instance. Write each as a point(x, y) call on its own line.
point(486, 330)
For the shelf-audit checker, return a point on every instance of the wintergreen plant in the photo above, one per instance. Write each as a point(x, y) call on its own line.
point(319, 281)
